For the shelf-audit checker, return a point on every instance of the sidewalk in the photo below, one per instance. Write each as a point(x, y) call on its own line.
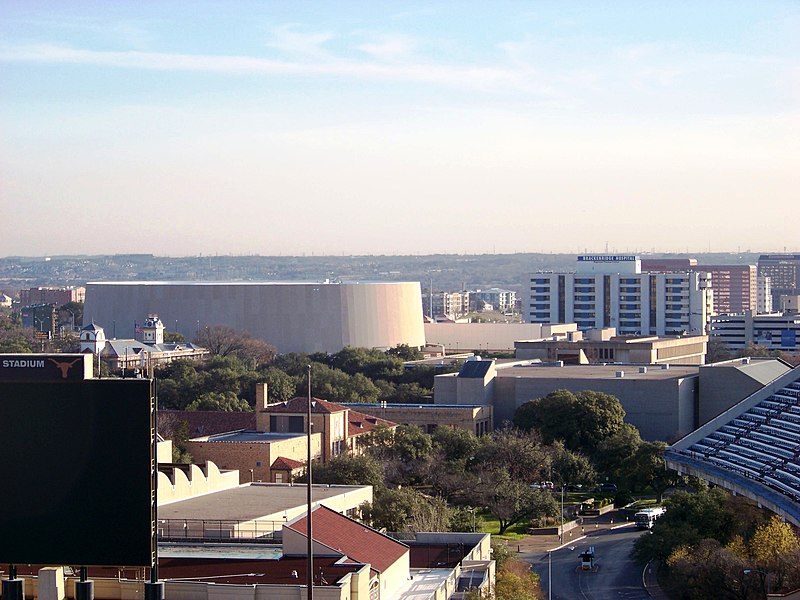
point(534, 548)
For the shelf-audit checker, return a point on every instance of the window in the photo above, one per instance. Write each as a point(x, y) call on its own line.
point(296, 424)
point(278, 477)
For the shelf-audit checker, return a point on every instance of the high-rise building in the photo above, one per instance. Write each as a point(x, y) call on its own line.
point(733, 287)
point(612, 291)
point(784, 273)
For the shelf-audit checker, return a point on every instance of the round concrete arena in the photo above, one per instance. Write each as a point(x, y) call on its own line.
point(292, 316)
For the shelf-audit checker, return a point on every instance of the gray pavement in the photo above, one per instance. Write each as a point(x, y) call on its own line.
point(534, 548)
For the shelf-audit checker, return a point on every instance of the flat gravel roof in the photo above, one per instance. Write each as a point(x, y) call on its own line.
point(253, 501)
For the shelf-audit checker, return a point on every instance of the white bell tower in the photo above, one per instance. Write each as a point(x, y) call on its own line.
point(153, 330)
point(93, 338)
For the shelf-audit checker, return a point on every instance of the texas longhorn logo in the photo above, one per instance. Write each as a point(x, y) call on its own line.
point(64, 367)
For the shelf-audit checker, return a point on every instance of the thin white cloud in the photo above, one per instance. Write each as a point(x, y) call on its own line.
point(472, 77)
point(390, 48)
point(288, 41)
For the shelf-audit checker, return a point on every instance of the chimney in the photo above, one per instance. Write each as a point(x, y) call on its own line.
point(262, 418)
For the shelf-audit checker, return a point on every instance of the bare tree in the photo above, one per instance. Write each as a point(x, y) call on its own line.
point(222, 340)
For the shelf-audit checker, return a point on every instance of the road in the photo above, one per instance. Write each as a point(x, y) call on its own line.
point(614, 577)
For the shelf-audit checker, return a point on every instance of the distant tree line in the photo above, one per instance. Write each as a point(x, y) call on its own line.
point(227, 381)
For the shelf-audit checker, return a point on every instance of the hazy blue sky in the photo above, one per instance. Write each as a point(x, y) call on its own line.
point(398, 127)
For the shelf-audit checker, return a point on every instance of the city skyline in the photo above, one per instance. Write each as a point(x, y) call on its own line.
point(183, 128)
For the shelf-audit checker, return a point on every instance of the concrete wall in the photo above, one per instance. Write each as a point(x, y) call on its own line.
point(489, 336)
point(179, 485)
point(294, 317)
point(661, 409)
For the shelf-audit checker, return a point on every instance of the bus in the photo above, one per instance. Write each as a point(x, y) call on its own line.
point(645, 519)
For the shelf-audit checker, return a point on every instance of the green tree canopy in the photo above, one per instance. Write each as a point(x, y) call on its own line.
point(347, 469)
point(456, 443)
point(581, 420)
point(220, 401)
point(405, 509)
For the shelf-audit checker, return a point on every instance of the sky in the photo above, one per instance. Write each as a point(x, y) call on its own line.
point(297, 128)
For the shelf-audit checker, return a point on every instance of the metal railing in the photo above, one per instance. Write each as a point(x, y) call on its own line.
point(217, 530)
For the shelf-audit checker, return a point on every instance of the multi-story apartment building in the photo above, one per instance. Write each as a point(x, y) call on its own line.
point(450, 305)
point(502, 300)
point(612, 291)
point(52, 295)
point(784, 273)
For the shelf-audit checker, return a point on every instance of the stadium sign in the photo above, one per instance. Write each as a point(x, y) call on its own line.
point(45, 367)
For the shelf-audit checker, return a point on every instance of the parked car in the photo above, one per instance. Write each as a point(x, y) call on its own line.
point(608, 487)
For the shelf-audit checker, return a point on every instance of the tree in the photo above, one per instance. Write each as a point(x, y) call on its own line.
point(404, 393)
point(508, 499)
point(371, 363)
point(717, 351)
point(219, 401)
point(404, 352)
point(772, 540)
point(171, 337)
point(581, 420)
point(520, 454)
point(337, 386)
point(456, 443)
point(689, 519)
point(72, 313)
point(411, 443)
point(405, 509)
point(570, 467)
point(348, 469)
point(280, 386)
point(222, 340)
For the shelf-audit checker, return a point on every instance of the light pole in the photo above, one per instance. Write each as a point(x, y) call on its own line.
point(550, 575)
point(561, 517)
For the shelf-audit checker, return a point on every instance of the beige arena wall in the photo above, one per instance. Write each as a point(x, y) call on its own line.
point(294, 317)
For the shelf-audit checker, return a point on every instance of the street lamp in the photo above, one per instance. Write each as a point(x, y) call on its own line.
point(561, 517)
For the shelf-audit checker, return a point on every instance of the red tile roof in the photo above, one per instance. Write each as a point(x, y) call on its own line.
point(286, 464)
point(300, 405)
point(359, 542)
point(360, 423)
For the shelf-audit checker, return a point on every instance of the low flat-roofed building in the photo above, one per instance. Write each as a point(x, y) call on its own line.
point(477, 418)
point(646, 350)
point(659, 400)
point(252, 511)
point(252, 453)
point(490, 337)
